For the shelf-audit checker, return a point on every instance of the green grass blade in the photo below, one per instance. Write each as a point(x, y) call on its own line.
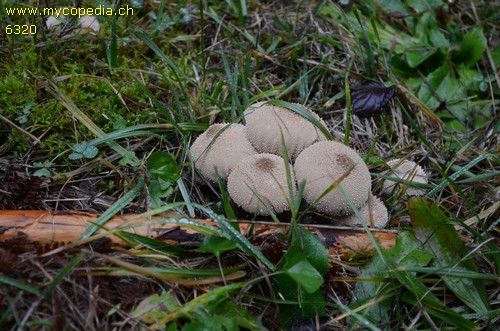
point(185, 196)
point(348, 104)
point(63, 273)
point(157, 245)
point(20, 285)
point(114, 209)
point(242, 242)
point(458, 173)
point(230, 214)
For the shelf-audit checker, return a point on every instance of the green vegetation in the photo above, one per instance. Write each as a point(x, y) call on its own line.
point(111, 115)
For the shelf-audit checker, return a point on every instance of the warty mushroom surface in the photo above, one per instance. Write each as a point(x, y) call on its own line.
point(222, 151)
point(259, 185)
point(326, 163)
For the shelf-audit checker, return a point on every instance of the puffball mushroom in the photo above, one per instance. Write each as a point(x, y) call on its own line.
point(374, 213)
point(85, 24)
point(409, 171)
point(328, 162)
point(223, 151)
point(258, 184)
point(265, 124)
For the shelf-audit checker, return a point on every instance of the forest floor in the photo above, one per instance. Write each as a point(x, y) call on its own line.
point(99, 119)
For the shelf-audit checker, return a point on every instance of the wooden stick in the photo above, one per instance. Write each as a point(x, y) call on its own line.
point(48, 227)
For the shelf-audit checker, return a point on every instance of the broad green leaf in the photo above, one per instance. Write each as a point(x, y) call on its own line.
point(75, 156)
point(418, 54)
point(297, 302)
point(84, 149)
point(393, 6)
point(301, 270)
point(162, 165)
point(437, 38)
point(163, 171)
point(407, 253)
point(90, 152)
point(155, 307)
point(216, 245)
point(471, 48)
point(306, 276)
point(44, 172)
point(204, 301)
point(424, 5)
point(439, 237)
point(313, 249)
point(448, 89)
point(159, 189)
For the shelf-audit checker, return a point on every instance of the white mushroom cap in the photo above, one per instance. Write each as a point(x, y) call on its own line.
point(89, 24)
point(210, 151)
point(325, 163)
point(265, 123)
point(374, 213)
point(52, 22)
point(259, 183)
point(408, 171)
point(86, 23)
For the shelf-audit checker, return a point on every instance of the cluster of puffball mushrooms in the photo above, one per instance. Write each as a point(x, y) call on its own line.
point(249, 158)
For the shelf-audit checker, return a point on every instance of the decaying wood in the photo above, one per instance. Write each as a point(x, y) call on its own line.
point(48, 227)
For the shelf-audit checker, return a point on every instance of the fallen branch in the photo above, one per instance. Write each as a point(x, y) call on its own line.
point(47, 227)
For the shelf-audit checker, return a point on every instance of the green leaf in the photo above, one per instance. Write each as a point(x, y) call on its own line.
point(424, 5)
point(443, 86)
point(163, 171)
point(437, 38)
point(297, 302)
point(393, 274)
point(216, 245)
point(439, 237)
point(83, 150)
point(44, 172)
point(154, 307)
point(393, 6)
point(90, 152)
point(299, 269)
point(418, 54)
point(162, 165)
point(75, 156)
point(313, 249)
point(471, 48)
point(80, 148)
point(495, 54)
point(406, 253)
